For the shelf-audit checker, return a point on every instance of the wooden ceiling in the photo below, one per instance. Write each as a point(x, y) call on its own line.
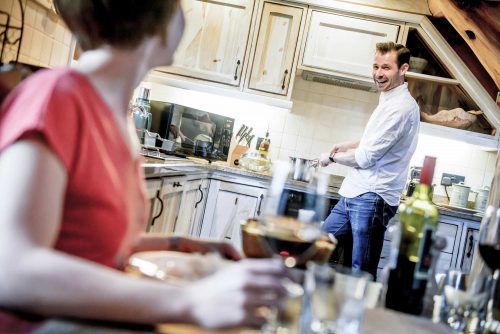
point(479, 26)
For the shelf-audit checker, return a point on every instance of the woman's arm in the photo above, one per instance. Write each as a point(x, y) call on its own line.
point(36, 278)
point(152, 242)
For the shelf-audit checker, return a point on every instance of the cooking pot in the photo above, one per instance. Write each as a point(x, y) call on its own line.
point(302, 169)
point(459, 195)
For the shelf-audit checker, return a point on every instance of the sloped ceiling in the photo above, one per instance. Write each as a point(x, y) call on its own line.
point(479, 26)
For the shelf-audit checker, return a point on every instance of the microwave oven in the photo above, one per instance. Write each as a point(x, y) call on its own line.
point(196, 132)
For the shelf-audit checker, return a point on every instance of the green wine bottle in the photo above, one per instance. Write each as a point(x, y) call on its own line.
point(418, 218)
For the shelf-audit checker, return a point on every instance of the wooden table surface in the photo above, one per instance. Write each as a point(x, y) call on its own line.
point(376, 321)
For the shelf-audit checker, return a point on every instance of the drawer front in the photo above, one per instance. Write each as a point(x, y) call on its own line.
point(449, 232)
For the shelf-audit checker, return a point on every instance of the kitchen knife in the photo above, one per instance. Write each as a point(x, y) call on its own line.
point(248, 133)
point(240, 131)
point(243, 135)
point(245, 128)
point(249, 140)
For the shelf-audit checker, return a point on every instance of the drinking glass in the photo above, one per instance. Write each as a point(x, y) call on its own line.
point(463, 306)
point(338, 297)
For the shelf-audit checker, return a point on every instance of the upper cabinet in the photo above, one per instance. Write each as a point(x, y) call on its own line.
point(215, 39)
point(344, 45)
point(276, 50)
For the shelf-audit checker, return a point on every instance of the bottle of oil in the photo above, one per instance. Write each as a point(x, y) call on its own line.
point(264, 144)
point(141, 113)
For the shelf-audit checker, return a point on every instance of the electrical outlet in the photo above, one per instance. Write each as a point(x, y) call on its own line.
point(449, 179)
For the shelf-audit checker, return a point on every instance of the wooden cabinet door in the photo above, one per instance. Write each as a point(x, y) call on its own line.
point(276, 47)
point(344, 44)
point(215, 39)
point(468, 247)
point(227, 205)
point(230, 210)
point(171, 197)
point(199, 208)
point(153, 191)
point(186, 214)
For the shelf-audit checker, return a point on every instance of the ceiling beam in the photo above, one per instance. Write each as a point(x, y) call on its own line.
point(479, 27)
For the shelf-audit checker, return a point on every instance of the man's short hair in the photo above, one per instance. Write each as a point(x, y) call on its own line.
point(403, 53)
point(120, 23)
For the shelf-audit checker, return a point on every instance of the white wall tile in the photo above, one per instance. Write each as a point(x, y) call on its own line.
point(292, 124)
point(288, 142)
point(36, 45)
point(30, 14)
point(46, 51)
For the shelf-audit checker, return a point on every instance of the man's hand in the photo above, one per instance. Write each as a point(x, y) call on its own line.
point(344, 147)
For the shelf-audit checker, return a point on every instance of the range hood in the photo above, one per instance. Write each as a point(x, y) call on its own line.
point(330, 79)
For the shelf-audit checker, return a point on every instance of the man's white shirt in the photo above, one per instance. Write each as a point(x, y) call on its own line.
point(386, 147)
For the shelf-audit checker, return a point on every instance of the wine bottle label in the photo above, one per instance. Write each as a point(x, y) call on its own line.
point(424, 253)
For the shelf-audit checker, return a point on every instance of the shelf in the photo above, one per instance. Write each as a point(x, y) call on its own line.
point(445, 106)
point(486, 142)
point(432, 78)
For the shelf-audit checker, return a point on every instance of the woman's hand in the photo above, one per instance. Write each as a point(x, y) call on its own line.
point(234, 296)
point(157, 242)
point(188, 245)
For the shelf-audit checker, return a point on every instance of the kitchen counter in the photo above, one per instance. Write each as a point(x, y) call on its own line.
point(201, 169)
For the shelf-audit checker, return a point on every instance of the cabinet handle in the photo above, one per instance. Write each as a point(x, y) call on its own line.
point(284, 79)
point(236, 71)
point(201, 199)
point(471, 246)
point(260, 204)
point(161, 207)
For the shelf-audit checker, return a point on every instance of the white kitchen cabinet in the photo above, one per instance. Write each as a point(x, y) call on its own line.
point(215, 39)
point(192, 207)
point(199, 208)
point(344, 45)
point(276, 50)
point(461, 238)
point(227, 205)
point(171, 197)
point(469, 240)
point(153, 191)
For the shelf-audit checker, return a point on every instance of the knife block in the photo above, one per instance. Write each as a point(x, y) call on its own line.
point(236, 153)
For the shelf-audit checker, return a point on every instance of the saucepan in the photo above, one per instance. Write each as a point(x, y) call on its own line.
point(302, 169)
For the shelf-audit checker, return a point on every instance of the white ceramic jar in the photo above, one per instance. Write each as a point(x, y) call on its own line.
point(482, 198)
point(459, 195)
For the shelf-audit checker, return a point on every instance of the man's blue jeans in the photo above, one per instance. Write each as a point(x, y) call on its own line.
point(362, 219)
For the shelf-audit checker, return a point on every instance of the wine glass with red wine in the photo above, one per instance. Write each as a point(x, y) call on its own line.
point(489, 239)
point(489, 248)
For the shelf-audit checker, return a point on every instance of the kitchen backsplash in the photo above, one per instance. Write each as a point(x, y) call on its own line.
point(324, 114)
point(46, 41)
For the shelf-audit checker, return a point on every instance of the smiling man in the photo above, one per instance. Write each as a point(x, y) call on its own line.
point(380, 160)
